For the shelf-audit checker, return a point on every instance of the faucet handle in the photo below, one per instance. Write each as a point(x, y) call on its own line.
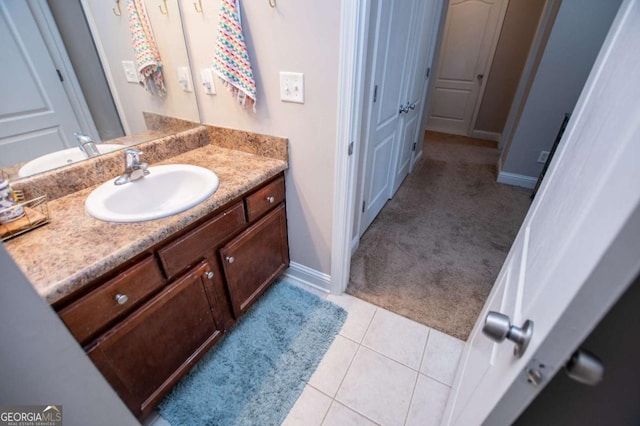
point(132, 157)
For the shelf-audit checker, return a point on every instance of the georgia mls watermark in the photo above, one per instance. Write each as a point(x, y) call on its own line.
point(31, 415)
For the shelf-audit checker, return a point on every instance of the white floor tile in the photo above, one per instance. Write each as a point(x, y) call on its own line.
point(441, 357)
point(428, 403)
point(397, 337)
point(378, 387)
point(309, 409)
point(360, 314)
point(334, 365)
point(155, 419)
point(339, 415)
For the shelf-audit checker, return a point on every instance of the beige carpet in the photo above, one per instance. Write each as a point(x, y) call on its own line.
point(434, 251)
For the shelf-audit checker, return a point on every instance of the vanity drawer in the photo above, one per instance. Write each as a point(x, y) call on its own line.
point(265, 199)
point(191, 247)
point(92, 313)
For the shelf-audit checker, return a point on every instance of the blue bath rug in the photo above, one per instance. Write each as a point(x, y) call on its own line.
point(258, 371)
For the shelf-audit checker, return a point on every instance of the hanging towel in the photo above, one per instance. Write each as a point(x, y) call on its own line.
point(147, 55)
point(231, 61)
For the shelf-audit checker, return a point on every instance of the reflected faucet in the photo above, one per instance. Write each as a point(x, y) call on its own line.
point(133, 168)
point(87, 145)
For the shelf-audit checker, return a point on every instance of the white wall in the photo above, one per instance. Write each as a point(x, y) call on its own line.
point(113, 40)
point(575, 40)
point(300, 37)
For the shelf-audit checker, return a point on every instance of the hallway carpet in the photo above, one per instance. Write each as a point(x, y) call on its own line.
point(436, 248)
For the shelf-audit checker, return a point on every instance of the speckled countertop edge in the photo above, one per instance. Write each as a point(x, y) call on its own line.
point(74, 248)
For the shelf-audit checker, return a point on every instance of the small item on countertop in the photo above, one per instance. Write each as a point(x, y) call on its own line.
point(10, 210)
point(31, 219)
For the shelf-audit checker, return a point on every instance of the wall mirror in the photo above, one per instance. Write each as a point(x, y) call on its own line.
point(67, 69)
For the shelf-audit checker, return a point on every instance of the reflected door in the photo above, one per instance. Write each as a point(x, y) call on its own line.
point(36, 116)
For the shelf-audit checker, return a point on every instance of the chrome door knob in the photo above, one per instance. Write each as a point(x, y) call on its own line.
point(230, 259)
point(121, 299)
point(209, 275)
point(498, 327)
point(271, 199)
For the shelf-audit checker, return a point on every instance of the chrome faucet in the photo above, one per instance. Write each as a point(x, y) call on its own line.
point(87, 145)
point(133, 168)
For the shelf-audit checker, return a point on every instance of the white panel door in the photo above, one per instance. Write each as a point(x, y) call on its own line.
point(419, 59)
point(588, 206)
point(393, 24)
point(36, 116)
point(470, 35)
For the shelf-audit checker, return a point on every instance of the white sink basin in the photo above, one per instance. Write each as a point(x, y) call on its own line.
point(61, 158)
point(165, 191)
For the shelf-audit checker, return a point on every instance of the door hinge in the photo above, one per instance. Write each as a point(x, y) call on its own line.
point(59, 75)
point(375, 93)
point(428, 72)
point(364, 203)
point(351, 148)
point(414, 146)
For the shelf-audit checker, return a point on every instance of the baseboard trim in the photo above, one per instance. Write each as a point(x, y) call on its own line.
point(308, 277)
point(416, 160)
point(517, 180)
point(481, 134)
point(355, 243)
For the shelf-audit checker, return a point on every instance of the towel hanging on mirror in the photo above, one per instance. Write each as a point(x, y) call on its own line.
point(148, 60)
point(231, 60)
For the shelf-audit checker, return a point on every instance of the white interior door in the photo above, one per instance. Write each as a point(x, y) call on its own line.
point(36, 116)
point(393, 24)
point(419, 59)
point(577, 250)
point(470, 36)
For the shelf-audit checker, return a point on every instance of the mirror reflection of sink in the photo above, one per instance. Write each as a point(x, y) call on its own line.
point(167, 190)
point(61, 158)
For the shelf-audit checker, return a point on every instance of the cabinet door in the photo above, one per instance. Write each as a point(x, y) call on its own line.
point(254, 259)
point(145, 355)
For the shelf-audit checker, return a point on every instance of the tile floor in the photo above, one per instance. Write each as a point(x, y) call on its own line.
point(382, 369)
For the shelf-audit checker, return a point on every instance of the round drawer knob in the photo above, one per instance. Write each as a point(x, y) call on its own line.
point(230, 259)
point(271, 199)
point(121, 299)
point(209, 275)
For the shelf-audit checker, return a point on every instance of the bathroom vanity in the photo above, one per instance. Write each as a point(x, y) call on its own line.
point(147, 300)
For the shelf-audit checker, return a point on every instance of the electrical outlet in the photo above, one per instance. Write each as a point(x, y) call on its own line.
point(542, 158)
point(130, 72)
point(184, 78)
point(292, 87)
point(206, 75)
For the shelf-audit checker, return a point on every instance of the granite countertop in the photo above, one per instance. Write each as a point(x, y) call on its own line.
point(74, 248)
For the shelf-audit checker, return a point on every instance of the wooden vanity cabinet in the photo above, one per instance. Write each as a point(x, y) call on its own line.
point(255, 258)
point(181, 297)
point(145, 355)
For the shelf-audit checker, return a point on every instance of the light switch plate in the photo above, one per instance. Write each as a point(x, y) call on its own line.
point(130, 72)
point(292, 87)
point(206, 75)
point(184, 78)
point(542, 158)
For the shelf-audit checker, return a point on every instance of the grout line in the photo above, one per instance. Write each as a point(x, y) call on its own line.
point(437, 380)
point(356, 411)
point(415, 385)
point(413, 393)
point(424, 353)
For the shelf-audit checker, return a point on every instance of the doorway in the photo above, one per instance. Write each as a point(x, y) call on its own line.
point(404, 244)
